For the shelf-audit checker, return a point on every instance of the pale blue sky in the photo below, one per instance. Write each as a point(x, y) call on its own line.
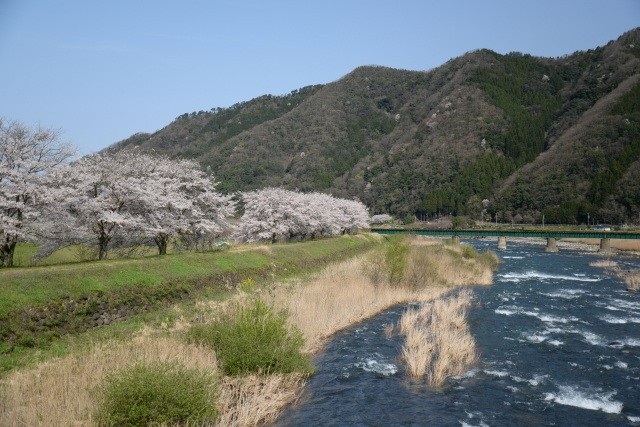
point(103, 70)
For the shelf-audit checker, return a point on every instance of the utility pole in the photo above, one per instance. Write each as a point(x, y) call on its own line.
point(542, 220)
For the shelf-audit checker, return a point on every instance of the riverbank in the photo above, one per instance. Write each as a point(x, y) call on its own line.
point(353, 291)
point(62, 391)
point(42, 307)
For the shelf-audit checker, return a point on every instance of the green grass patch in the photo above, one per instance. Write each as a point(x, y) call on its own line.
point(25, 286)
point(136, 274)
point(157, 394)
point(25, 252)
point(254, 339)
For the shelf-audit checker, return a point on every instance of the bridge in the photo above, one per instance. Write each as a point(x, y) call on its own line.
point(551, 235)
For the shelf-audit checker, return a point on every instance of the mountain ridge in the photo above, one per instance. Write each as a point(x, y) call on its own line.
point(482, 126)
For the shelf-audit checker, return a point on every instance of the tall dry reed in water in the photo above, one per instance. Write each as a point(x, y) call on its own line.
point(438, 343)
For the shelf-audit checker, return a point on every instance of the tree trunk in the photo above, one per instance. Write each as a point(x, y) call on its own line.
point(103, 247)
point(161, 242)
point(104, 237)
point(7, 250)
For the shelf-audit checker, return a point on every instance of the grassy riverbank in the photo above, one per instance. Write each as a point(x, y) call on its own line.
point(64, 390)
point(40, 307)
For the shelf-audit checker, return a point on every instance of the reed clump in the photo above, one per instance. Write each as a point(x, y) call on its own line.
point(253, 400)
point(632, 279)
point(438, 343)
point(604, 263)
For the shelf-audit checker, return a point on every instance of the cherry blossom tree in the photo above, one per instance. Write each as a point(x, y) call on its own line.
point(267, 216)
point(355, 214)
point(101, 191)
point(131, 195)
point(180, 200)
point(27, 157)
point(276, 214)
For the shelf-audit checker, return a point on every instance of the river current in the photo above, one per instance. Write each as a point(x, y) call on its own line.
point(559, 344)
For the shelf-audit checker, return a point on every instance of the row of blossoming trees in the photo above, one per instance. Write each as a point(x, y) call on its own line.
point(130, 197)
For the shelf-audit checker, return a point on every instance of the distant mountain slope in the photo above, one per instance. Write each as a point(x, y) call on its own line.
point(534, 136)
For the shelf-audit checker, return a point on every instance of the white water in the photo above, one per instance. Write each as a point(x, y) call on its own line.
point(373, 365)
point(574, 396)
point(532, 274)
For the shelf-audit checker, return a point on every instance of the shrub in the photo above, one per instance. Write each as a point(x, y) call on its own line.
point(254, 339)
point(396, 258)
point(161, 393)
point(469, 252)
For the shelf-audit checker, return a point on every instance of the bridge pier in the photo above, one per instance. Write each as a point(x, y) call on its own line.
point(455, 240)
point(502, 243)
point(605, 245)
point(551, 245)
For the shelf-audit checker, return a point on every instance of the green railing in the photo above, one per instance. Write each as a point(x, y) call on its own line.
point(557, 234)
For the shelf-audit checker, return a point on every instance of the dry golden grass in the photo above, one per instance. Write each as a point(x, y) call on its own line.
point(60, 392)
point(256, 400)
point(626, 245)
point(423, 241)
point(447, 266)
point(438, 343)
point(432, 263)
point(340, 296)
point(417, 352)
point(252, 247)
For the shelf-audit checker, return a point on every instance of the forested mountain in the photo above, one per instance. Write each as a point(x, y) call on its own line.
point(533, 136)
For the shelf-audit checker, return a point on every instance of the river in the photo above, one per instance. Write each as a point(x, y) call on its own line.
point(559, 344)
